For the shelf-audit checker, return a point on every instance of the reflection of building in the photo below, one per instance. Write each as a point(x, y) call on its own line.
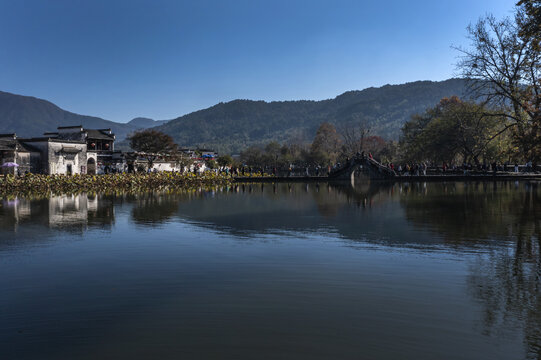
point(74, 212)
point(69, 212)
point(12, 212)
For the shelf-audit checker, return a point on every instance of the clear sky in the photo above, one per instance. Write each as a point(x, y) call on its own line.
point(162, 59)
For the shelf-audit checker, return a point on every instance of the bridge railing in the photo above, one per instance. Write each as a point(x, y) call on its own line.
point(381, 167)
point(363, 161)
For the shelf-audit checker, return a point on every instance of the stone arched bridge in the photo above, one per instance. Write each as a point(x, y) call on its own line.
point(371, 167)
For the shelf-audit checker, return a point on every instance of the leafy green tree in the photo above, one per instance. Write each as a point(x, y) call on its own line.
point(389, 152)
point(152, 143)
point(326, 145)
point(224, 160)
point(453, 129)
point(252, 156)
point(273, 152)
point(295, 153)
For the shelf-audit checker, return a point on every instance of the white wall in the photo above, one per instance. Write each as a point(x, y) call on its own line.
point(165, 166)
point(58, 162)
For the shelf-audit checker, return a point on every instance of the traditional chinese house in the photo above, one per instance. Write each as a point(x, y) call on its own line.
point(100, 145)
point(16, 156)
point(59, 156)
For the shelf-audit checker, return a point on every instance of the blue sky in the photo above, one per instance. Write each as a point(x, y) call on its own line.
point(162, 59)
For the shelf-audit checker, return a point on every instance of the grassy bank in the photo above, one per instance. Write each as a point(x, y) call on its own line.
point(33, 184)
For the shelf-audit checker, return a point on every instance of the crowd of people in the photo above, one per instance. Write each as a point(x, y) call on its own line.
point(422, 168)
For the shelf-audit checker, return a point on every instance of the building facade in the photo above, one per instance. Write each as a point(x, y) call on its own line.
point(60, 157)
point(100, 146)
point(12, 150)
point(76, 150)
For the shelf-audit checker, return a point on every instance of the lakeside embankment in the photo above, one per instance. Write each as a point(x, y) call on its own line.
point(35, 184)
point(42, 185)
point(399, 178)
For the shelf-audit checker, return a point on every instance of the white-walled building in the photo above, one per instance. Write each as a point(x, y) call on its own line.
point(64, 157)
point(76, 150)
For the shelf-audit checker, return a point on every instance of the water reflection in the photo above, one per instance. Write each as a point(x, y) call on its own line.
point(455, 214)
point(467, 212)
point(507, 283)
point(73, 213)
point(495, 227)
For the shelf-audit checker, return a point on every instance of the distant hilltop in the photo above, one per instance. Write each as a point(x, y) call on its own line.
point(232, 126)
point(143, 123)
point(30, 116)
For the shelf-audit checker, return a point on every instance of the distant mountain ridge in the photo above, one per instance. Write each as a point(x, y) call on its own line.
point(236, 124)
point(142, 122)
point(232, 126)
point(29, 116)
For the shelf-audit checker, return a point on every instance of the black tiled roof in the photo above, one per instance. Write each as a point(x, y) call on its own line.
point(69, 127)
point(98, 134)
point(11, 144)
point(7, 144)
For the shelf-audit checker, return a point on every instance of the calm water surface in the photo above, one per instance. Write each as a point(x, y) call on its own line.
point(301, 271)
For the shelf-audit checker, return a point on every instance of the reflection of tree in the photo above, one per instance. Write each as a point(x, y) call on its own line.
point(507, 282)
point(153, 208)
point(101, 209)
point(464, 212)
point(328, 200)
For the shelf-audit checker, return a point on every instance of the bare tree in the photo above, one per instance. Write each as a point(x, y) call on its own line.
point(354, 134)
point(504, 70)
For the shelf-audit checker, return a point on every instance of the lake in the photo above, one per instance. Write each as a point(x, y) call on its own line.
point(285, 271)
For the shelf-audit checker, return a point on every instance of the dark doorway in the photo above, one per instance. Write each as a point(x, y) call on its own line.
point(91, 166)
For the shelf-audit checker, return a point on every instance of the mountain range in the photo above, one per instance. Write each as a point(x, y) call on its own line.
point(232, 126)
point(29, 116)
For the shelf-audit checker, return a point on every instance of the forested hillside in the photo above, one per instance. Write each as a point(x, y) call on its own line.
point(234, 125)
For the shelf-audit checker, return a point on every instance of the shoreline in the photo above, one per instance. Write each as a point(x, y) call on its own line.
point(43, 185)
point(408, 178)
point(36, 184)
